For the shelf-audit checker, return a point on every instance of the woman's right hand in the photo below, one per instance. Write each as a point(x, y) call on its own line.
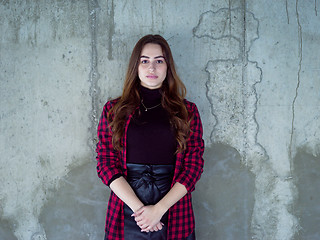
point(146, 218)
point(155, 228)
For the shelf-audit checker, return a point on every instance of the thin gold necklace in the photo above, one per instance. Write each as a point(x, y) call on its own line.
point(149, 108)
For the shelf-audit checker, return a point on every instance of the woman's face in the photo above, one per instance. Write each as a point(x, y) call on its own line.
point(152, 68)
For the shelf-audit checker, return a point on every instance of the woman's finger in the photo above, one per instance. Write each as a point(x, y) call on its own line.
point(138, 212)
point(145, 229)
point(159, 226)
point(138, 219)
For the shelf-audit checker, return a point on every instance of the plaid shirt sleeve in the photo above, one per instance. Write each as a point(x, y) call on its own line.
point(192, 162)
point(189, 167)
point(108, 163)
point(109, 168)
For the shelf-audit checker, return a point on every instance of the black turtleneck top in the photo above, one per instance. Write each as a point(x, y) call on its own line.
point(150, 137)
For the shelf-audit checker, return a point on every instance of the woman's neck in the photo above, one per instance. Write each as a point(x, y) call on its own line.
point(150, 96)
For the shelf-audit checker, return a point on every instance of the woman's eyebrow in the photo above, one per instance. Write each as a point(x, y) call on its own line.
point(149, 57)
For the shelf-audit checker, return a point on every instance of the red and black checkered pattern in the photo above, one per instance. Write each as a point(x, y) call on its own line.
point(188, 169)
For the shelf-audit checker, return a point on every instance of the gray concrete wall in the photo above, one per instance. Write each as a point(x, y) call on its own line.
point(252, 67)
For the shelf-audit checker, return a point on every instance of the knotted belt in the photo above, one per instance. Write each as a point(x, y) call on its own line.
point(150, 182)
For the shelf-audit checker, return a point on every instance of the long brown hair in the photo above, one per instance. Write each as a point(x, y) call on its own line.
point(173, 92)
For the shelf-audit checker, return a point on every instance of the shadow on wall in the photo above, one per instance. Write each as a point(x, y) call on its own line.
point(307, 205)
point(77, 210)
point(5, 231)
point(224, 197)
point(223, 201)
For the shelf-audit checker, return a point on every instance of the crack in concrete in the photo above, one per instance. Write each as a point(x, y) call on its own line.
point(265, 155)
point(230, 17)
point(94, 74)
point(111, 28)
point(244, 80)
point(244, 24)
point(156, 7)
point(152, 16)
point(297, 88)
point(315, 7)
point(291, 150)
point(287, 11)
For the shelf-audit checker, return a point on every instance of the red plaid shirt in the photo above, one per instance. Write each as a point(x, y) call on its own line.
point(188, 168)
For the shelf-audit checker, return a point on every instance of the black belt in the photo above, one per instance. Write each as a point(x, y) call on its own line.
point(150, 182)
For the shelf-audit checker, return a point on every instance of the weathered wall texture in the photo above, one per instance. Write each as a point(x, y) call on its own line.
point(252, 67)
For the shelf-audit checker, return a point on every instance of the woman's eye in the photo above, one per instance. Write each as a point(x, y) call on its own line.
point(159, 61)
point(144, 61)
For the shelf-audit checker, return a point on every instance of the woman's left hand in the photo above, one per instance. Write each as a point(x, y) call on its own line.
point(148, 217)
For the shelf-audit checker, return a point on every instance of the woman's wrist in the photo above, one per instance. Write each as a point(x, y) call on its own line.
point(161, 207)
point(137, 207)
point(174, 195)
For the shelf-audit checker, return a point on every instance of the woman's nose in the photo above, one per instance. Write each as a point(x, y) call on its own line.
point(151, 67)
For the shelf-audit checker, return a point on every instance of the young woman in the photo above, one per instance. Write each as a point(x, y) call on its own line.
point(150, 149)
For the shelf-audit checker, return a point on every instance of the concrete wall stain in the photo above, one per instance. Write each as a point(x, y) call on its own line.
point(75, 206)
point(307, 180)
point(233, 103)
point(224, 176)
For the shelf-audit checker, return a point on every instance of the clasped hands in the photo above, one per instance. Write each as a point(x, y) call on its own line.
point(148, 218)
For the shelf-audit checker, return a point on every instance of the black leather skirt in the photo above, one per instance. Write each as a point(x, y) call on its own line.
point(150, 183)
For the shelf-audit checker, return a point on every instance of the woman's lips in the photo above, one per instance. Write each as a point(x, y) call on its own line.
point(152, 76)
